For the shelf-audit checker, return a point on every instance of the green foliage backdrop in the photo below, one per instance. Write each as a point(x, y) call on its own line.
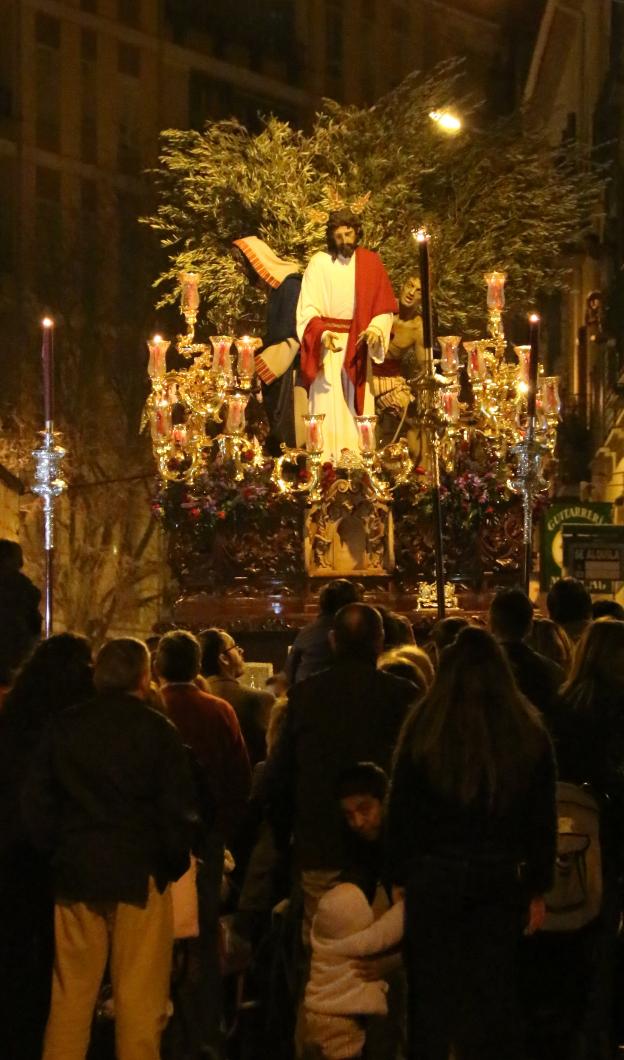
point(495, 196)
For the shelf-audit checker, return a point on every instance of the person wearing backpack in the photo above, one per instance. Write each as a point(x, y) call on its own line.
point(589, 738)
point(471, 829)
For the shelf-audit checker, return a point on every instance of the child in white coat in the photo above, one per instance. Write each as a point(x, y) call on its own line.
point(337, 997)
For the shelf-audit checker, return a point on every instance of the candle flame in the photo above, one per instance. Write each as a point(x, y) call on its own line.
point(523, 387)
point(420, 234)
point(47, 322)
point(534, 318)
point(157, 338)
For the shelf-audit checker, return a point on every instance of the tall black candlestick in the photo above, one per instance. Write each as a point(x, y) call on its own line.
point(534, 324)
point(47, 365)
point(422, 238)
point(432, 427)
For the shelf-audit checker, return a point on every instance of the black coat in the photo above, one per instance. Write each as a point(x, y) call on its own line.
point(346, 714)
point(422, 823)
point(537, 677)
point(110, 794)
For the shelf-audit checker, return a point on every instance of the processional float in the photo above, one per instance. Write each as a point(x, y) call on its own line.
point(480, 392)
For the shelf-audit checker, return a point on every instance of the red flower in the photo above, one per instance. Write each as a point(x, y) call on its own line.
point(195, 513)
point(248, 454)
point(419, 470)
point(303, 474)
point(221, 514)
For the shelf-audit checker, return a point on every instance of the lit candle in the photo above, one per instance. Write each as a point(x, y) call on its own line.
point(180, 434)
point(246, 366)
point(47, 364)
point(534, 323)
point(314, 433)
point(422, 238)
point(221, 361)
point(157, 365)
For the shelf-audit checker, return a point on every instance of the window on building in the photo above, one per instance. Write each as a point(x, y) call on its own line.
point(129, 257)
point(7, 213)
point(334, 44)
point(129, 125)
point(48, 234)
point(47, 30)
point(129, 60)
point(129, 11)
point(47, 82)
point(88, 98)
point(89, 240)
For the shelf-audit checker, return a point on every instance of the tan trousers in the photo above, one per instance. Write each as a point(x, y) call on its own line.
point(139, 943)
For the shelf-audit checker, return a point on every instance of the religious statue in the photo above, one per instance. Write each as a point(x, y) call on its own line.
point(405, 360)
point(276, 360)
point(344, 318)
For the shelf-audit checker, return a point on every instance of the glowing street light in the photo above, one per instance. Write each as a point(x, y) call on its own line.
point(445, 120)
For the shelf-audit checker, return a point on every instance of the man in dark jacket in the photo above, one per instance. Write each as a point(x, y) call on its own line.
point(539, 678)
point(349, 713)
point(311, 651)
point(111, 796)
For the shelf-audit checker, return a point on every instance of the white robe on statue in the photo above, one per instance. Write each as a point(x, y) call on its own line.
point(328, 290)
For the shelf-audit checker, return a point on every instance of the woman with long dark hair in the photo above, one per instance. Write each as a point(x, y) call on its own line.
point(471, 834)
point(57, 675)
point(589, 736)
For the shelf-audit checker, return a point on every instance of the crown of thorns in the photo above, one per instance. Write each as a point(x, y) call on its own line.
point(337, 202)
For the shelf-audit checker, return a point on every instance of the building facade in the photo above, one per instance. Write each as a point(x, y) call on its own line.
point(574, 90)
point(86, 86)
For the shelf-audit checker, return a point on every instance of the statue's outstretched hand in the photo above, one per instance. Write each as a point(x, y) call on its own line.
point(374, 340)
point(331, 340)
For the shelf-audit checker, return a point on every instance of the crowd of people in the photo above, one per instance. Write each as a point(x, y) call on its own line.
point(367, 864)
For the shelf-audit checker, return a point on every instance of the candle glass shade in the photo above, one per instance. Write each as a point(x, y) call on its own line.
point(189, 296)
point(157, 365)
point(449, 356)
point(366, 434)
point(179, 435)
point(235, 416)
point(476, 360)
point(314, 433)
point(160, 421)
point(523, 353)
point(495, 290)
point(450, 403)
point(246, 348)
point(221, 359)
point(549, 395)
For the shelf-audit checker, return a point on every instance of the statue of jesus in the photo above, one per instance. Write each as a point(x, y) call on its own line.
point(344, 319)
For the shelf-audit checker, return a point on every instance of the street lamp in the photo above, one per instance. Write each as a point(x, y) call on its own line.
point(446, 120)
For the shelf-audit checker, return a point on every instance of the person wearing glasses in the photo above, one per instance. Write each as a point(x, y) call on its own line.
point(222, 665)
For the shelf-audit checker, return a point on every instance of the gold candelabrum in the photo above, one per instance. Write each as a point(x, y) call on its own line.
point(494, 404)
point(215, 386)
